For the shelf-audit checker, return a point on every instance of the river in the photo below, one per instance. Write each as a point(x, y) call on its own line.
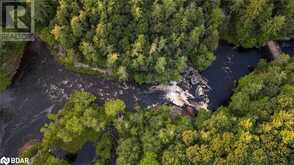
point(42, 86)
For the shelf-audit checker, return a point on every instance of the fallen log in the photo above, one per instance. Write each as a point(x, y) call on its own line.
point(274, 49)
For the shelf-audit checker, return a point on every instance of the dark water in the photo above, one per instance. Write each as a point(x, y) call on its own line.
point(288, 47)
point(230, 65)
point(42, 86)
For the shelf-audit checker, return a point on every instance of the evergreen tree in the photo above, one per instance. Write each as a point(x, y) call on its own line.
point(251, 23)
point(139, 39)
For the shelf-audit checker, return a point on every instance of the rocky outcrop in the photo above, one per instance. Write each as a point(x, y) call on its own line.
point(175, 94)
point(181, 93)
point(274, 49)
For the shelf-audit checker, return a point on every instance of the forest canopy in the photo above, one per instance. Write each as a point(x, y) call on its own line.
point(153, 40)
point(255, 128)
point(147, 40)
point(251, 23)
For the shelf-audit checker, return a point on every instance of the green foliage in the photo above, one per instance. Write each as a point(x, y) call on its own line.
point(10, 57)
point(129, 151)
point(5, 80)
point(286, 9)
point(251, 23)
point(80, 122)
point(45, 35)
point(145, 40)
point(77, 124)
point(103, 149)
point(44, 12)
point(48, 159)
point(189, 137)
point(146, 135)
point(114, 107)
point(32, 151)
point(150, 158)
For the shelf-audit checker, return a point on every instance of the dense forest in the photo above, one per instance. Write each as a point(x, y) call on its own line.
point(152, 42)
point(255, 128)
point(251, 23)
point(146, 40)
point(160, 38)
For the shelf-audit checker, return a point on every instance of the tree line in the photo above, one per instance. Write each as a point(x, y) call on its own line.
point(145, 40)
point(154, 41)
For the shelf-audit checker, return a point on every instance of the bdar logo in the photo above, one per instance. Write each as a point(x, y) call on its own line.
point(13, 160)
point(4, 160)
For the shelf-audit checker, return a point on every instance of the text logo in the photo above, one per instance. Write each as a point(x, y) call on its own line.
point(17, 20)
point(4, 160)
point(13, 160)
